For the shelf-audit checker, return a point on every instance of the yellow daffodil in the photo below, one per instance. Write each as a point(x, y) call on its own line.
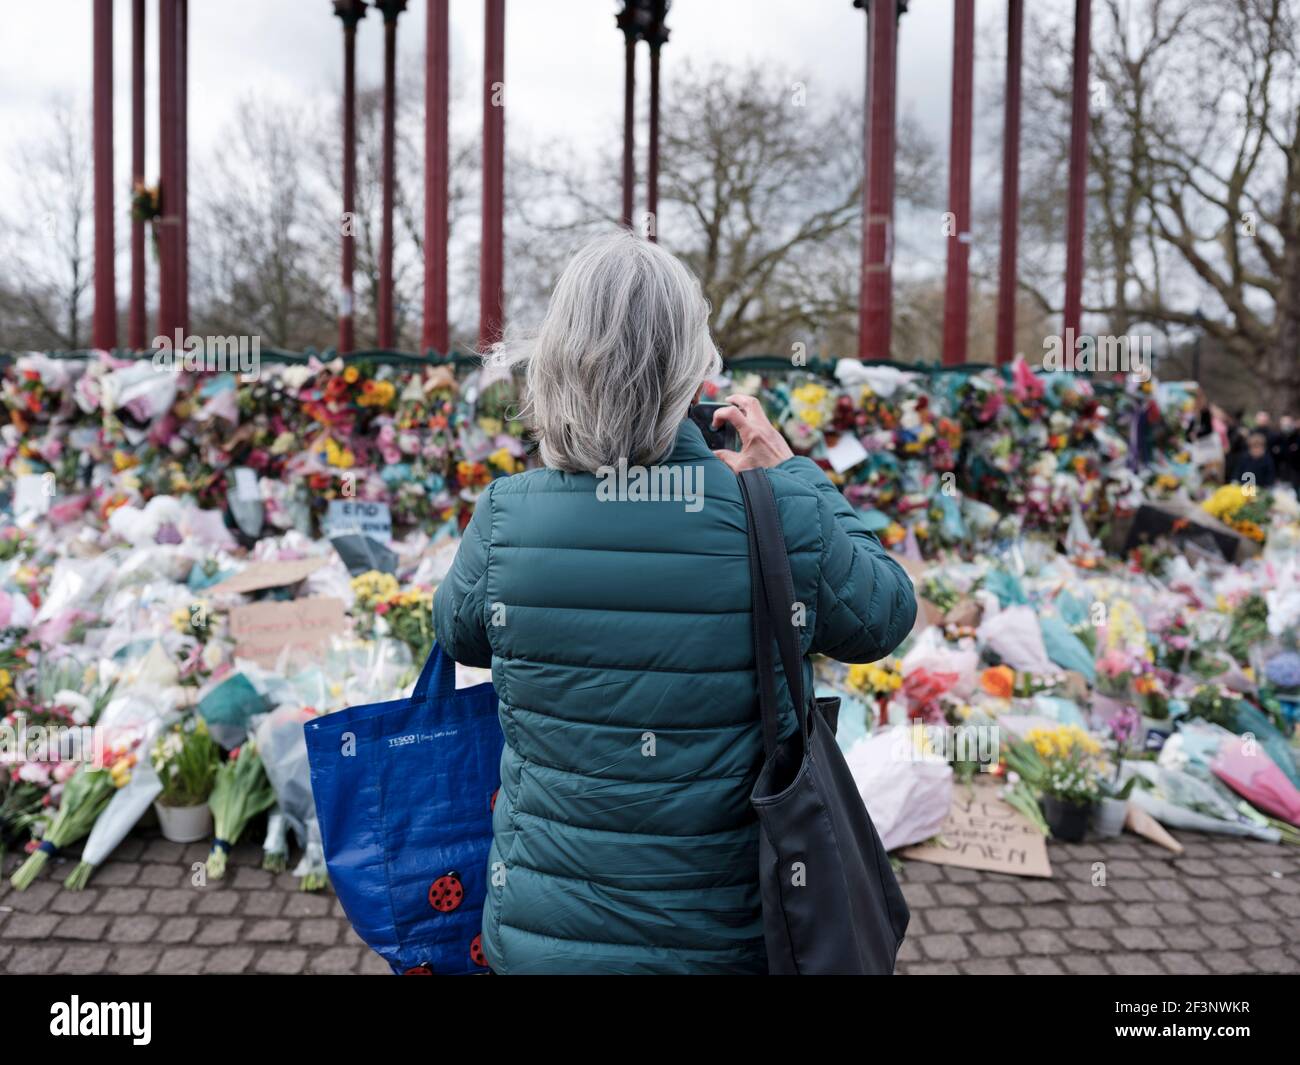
point(502, 459)
point(338, 456)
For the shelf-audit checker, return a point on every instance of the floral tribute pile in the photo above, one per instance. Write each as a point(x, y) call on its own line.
point(145, 512)
point(1162, 689)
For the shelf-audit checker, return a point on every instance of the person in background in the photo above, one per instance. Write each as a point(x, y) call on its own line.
point(1237, 434)
point(1222, 426)
point(1256, 463)
point(1286, 450)
point(1200, 421)
point(1264, 424)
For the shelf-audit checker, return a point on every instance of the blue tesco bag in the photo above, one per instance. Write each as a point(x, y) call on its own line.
point(404, 795)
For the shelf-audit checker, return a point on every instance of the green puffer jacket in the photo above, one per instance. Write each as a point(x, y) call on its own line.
point(619, 638)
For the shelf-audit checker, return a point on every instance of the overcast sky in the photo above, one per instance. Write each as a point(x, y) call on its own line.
point(564, 70)
point(564, 58)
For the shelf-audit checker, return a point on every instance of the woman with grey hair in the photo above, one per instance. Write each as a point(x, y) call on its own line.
point(609, 591)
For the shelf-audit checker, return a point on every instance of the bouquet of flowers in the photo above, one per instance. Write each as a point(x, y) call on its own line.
point(878, 680)
point(20, 807)
point(404, 615)
point(136, 787)
point(1026, 770)
point(1214, 703)
point(85, 796)
point(1115, 670)
point(186, 759)
point(1151, 690)
point(1175, 640)
point(1151, 558)
point(1249, 627)
point(240, 793)
point(875, 678)
point(1068, 757)
point(1282, 671)
point(1242, 508)
point(1020, 796)
point(999, 681)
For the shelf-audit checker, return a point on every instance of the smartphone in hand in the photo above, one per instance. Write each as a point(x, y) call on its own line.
point(724, 437)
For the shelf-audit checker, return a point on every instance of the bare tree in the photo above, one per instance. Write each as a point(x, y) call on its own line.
point(48, 269)
point(760, 194)
point(259, 231)
point(1194, 195)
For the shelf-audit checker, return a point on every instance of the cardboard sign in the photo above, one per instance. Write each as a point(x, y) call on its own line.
point(982, 831)
point(347, 516)
point(261, 575)
point(263, 630)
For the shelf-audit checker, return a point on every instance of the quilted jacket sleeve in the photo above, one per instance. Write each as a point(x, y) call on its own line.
point(459, 608)
point(865, 602)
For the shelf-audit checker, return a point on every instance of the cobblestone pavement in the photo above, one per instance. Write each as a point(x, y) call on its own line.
point(1224, 907)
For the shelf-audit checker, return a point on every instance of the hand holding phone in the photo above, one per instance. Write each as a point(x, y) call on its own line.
point(762, 444)
point(723, 437)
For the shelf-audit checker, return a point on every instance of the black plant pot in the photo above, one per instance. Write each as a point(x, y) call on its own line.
point(1068, 821)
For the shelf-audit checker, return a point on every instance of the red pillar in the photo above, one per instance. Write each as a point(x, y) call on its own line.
point(350, 12)
point(657, 37)
point(182, 251)
point(1077, 197)
point(1010, 187)
point(437, 96)
point(391, 9)
point(104, 321)
point(629, 119)
point(491, 266)
point(166, 166)
point(136, 317)
point(652, 162)
point(956, 306)
point(875, 295)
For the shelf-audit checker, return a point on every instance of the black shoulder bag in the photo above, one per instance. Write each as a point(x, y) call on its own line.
point(831, 903)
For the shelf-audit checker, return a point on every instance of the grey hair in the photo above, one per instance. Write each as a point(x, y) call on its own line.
point(611, 370)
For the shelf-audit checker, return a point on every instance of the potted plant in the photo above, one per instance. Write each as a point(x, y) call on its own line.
point(1069, 780)
point(1112, 804)
point(1111, 811)
point(186, 758)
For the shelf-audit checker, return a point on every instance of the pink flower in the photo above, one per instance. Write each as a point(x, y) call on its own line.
point(1114, 663)
point(1025, 385)
point(386, 442)
point(991, 407)
point(1124, 724)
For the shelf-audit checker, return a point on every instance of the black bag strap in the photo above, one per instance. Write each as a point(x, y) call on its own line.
point(763, 663)
point(772, 603)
